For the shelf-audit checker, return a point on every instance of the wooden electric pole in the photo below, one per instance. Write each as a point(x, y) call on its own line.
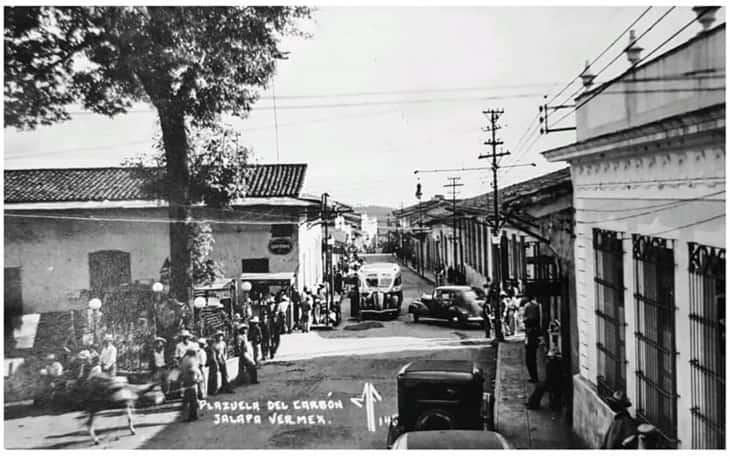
point(453, 185)
point(493, 115)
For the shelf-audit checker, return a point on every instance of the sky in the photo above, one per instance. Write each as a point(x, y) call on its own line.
point(378, 92)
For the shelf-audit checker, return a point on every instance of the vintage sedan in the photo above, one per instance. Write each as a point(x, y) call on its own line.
point(459, 305)
point(440, 395)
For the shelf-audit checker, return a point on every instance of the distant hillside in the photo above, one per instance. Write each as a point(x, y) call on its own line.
point(380, 212)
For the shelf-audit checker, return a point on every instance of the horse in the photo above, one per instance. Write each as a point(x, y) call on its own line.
point(105, 393)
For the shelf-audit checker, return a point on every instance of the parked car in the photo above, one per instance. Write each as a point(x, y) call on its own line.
point(451, 440)
point(459, 305)
point(440, 395)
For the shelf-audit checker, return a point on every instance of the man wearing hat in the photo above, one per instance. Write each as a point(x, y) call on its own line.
point(281, 310)
point(255, 337)
point(184, 345)
point(158, 362)
point(623, 426)
point(108, 356)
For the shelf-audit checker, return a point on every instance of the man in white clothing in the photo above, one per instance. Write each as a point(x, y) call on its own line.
point(108, 356)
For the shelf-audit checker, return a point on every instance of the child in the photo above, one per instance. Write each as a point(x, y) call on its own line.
point(191, 377)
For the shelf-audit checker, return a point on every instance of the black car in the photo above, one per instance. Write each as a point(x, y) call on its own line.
point(459, 305)
point(440, 395)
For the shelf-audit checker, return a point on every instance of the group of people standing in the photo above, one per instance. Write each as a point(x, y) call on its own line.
point(518, 312)
point(198, 368)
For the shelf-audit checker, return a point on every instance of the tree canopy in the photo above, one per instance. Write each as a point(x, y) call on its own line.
point(191, 63)
point(201, 61)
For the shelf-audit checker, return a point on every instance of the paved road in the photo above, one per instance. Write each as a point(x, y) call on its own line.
point(304, 400)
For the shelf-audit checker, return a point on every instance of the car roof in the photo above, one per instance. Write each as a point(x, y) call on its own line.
point(379, 266)
point(455, 439)
point(452, 366)
point(454, 287)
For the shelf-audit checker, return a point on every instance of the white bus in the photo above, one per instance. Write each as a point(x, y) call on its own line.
point(381, 288)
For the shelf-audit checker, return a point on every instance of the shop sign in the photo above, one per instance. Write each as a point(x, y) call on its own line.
point(280, 246)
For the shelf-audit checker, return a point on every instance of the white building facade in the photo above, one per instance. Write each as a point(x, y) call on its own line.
point(648, 172)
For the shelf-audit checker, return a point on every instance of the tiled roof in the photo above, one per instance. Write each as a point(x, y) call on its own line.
point(518, 191)
point(116, 184)
point(277, 180)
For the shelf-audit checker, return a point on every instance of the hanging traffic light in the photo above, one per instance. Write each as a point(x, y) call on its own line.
point(419, 194)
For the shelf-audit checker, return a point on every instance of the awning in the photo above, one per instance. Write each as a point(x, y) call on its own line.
point(220, 284)
point(267, 276)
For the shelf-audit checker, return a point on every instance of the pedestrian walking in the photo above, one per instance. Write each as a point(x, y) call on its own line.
point(191, 378)
point(246, 364)
point(507, 314)
point(254, 336)
point(532, 336)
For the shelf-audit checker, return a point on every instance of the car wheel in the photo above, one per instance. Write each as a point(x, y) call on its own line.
point(454, 320)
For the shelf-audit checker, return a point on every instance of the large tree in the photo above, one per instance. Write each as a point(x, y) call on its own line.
point(191, 63)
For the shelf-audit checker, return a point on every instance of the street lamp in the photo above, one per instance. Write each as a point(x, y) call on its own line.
point(199, 303)
point(419, 195)
point(94, 306)
point(157, 288)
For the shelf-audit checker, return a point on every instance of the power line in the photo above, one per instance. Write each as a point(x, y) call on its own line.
point(606, 85)
point(527, 130)
point(659, 209)
point(602, 53)
point(660, 19)
point(579, 75)
point(672, 229)
point(417, 91)
point(678, 201)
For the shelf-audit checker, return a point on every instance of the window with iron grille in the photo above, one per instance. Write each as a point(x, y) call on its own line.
point(707, 339)
point(610, 323)
point(656, 368)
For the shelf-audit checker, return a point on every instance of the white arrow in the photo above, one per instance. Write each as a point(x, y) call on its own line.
point(370, 395)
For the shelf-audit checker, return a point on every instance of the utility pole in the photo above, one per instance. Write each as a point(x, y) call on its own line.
point(326, 255)
point(493, 115)
point(453, 185)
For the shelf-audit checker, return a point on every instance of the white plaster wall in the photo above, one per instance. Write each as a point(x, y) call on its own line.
point(601, 189)
point(247, 241)
point(54, 254)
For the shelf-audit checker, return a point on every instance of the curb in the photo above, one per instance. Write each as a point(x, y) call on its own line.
point(498, 387)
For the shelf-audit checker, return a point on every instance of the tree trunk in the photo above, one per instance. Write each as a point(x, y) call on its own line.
point(174, 138)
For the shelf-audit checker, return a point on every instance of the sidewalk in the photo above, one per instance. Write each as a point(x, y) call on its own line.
point(531, 429)
point(428, 276)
